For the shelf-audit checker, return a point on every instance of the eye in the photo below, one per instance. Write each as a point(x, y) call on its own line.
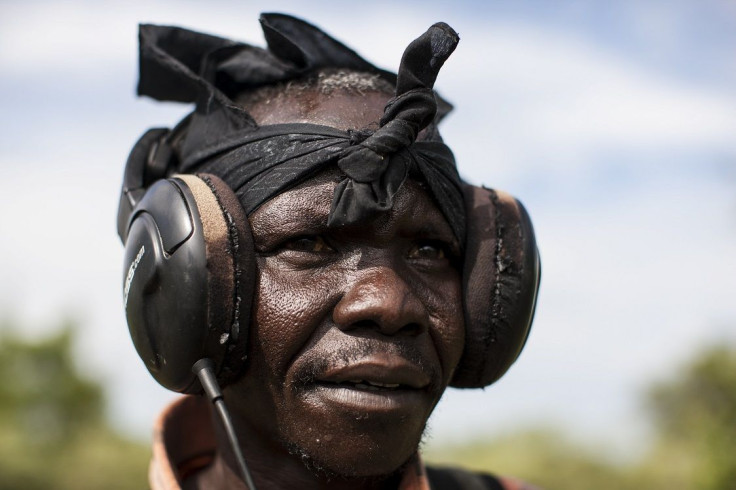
point(312, 244)
point(428, 251)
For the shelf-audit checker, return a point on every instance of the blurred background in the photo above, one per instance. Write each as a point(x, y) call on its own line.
point(614, 123)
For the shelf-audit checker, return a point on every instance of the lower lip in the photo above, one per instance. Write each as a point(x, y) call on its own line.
point(369, 400)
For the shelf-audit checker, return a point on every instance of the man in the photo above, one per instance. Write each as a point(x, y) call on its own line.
point(318, 262)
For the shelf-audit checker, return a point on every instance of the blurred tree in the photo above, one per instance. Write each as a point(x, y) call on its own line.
point(695, 417)
point(52, 428)
point(544, 457)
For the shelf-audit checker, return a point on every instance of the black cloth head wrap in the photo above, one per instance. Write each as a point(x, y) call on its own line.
point(259, 162)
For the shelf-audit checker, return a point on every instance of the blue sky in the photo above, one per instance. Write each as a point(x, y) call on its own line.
point(613, 122)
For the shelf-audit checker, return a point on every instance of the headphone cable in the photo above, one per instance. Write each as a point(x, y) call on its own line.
point(204, 369)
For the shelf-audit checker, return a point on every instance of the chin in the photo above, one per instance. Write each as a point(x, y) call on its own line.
point(373, 463)
point(356, 447)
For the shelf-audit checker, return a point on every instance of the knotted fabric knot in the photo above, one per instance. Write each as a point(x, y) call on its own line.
point(376, 168)
point(357, 136)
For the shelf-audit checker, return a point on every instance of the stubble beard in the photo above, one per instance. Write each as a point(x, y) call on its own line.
point(323, 472)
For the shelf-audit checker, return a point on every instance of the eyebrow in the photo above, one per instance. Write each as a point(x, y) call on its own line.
point(433, 227)
point(297, 221)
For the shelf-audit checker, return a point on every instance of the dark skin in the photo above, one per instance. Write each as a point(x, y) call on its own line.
point(356, 332)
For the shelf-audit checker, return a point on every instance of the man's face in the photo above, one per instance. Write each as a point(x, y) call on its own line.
point(356, 330)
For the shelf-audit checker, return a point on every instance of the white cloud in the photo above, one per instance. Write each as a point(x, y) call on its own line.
point(82, 35)
point(548, 102)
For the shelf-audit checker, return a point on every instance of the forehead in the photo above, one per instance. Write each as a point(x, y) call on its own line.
point(339, 109)
point(307, 207)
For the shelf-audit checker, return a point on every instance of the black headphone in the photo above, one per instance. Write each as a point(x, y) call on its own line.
point(189, 273)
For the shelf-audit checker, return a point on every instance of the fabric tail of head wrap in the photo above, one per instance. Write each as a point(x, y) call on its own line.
point(259, 162)
point(376, 168)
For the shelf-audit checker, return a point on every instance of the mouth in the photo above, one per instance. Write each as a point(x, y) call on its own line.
point(369, 385)
point(376, 384)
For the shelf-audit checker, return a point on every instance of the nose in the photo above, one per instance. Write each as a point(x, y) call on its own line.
point(380, 298)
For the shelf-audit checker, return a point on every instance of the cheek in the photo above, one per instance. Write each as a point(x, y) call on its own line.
point(444, 302)
point(290, 307)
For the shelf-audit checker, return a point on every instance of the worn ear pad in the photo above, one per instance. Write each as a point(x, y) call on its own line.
point(500, 282)
point(189, 278)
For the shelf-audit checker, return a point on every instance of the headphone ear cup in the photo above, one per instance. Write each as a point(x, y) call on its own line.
point(231, 270)
point(500, 283)
point(190, 268)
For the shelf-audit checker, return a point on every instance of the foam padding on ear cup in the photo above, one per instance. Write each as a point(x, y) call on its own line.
point(230, 271)
point(500, 283)
point(220, 271)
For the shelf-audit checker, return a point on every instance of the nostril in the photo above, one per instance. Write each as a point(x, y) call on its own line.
point(411, 329)
point(365, 324)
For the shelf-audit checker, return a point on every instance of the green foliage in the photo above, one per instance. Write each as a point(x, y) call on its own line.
point(543, 457)
point(694, 415)
point(52, 428)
